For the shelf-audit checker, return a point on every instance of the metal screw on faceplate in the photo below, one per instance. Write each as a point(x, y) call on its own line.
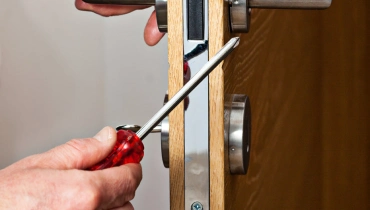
point(196, 206)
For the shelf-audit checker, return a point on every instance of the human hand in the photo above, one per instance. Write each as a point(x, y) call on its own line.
point(151, 33)
point(56, 179)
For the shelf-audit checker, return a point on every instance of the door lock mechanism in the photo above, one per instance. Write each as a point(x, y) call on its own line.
point(237, 121)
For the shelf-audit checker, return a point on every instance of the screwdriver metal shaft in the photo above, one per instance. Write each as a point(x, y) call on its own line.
point(188, 87)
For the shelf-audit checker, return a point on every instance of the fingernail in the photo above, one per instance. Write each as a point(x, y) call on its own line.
point(104, 134)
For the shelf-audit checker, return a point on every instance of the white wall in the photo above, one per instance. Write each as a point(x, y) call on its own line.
point(66, 74)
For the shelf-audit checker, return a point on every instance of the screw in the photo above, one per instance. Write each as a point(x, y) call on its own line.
point(196, 206)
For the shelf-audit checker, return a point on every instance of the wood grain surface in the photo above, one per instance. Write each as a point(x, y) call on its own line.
point(277, 66)
point(346, 105)
point(176, 118)
point(217, 27)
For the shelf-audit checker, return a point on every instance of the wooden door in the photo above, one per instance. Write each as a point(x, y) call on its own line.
point(307, 76)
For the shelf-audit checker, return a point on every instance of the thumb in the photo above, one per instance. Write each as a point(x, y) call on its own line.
point(81, 153)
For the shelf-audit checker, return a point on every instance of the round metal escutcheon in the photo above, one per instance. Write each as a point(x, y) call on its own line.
point(239, 16)
point(165, 143)
point(165, 138)
point(161, 13)
point(238, 133)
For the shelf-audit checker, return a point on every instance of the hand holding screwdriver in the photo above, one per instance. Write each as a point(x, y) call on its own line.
point(128, 149)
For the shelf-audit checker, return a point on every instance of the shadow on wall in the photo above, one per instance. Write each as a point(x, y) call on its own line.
point(45, 97)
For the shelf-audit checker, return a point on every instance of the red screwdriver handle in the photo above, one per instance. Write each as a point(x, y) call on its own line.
point(128, 149)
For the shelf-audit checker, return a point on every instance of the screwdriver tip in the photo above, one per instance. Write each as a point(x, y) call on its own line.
point(236, 41)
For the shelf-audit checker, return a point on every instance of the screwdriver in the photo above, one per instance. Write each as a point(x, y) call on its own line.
point(129, 147)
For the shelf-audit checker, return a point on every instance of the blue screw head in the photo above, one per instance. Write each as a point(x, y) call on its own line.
point(196, 206)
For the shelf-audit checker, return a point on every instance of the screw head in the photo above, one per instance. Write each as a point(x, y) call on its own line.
point(196, 206)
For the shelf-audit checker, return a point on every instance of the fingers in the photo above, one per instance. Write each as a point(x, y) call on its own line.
point(118, 184)
point(151, 33)
point(79, 153)
point(105, 9)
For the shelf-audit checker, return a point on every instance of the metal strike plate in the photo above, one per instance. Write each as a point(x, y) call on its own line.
point(239, 10)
